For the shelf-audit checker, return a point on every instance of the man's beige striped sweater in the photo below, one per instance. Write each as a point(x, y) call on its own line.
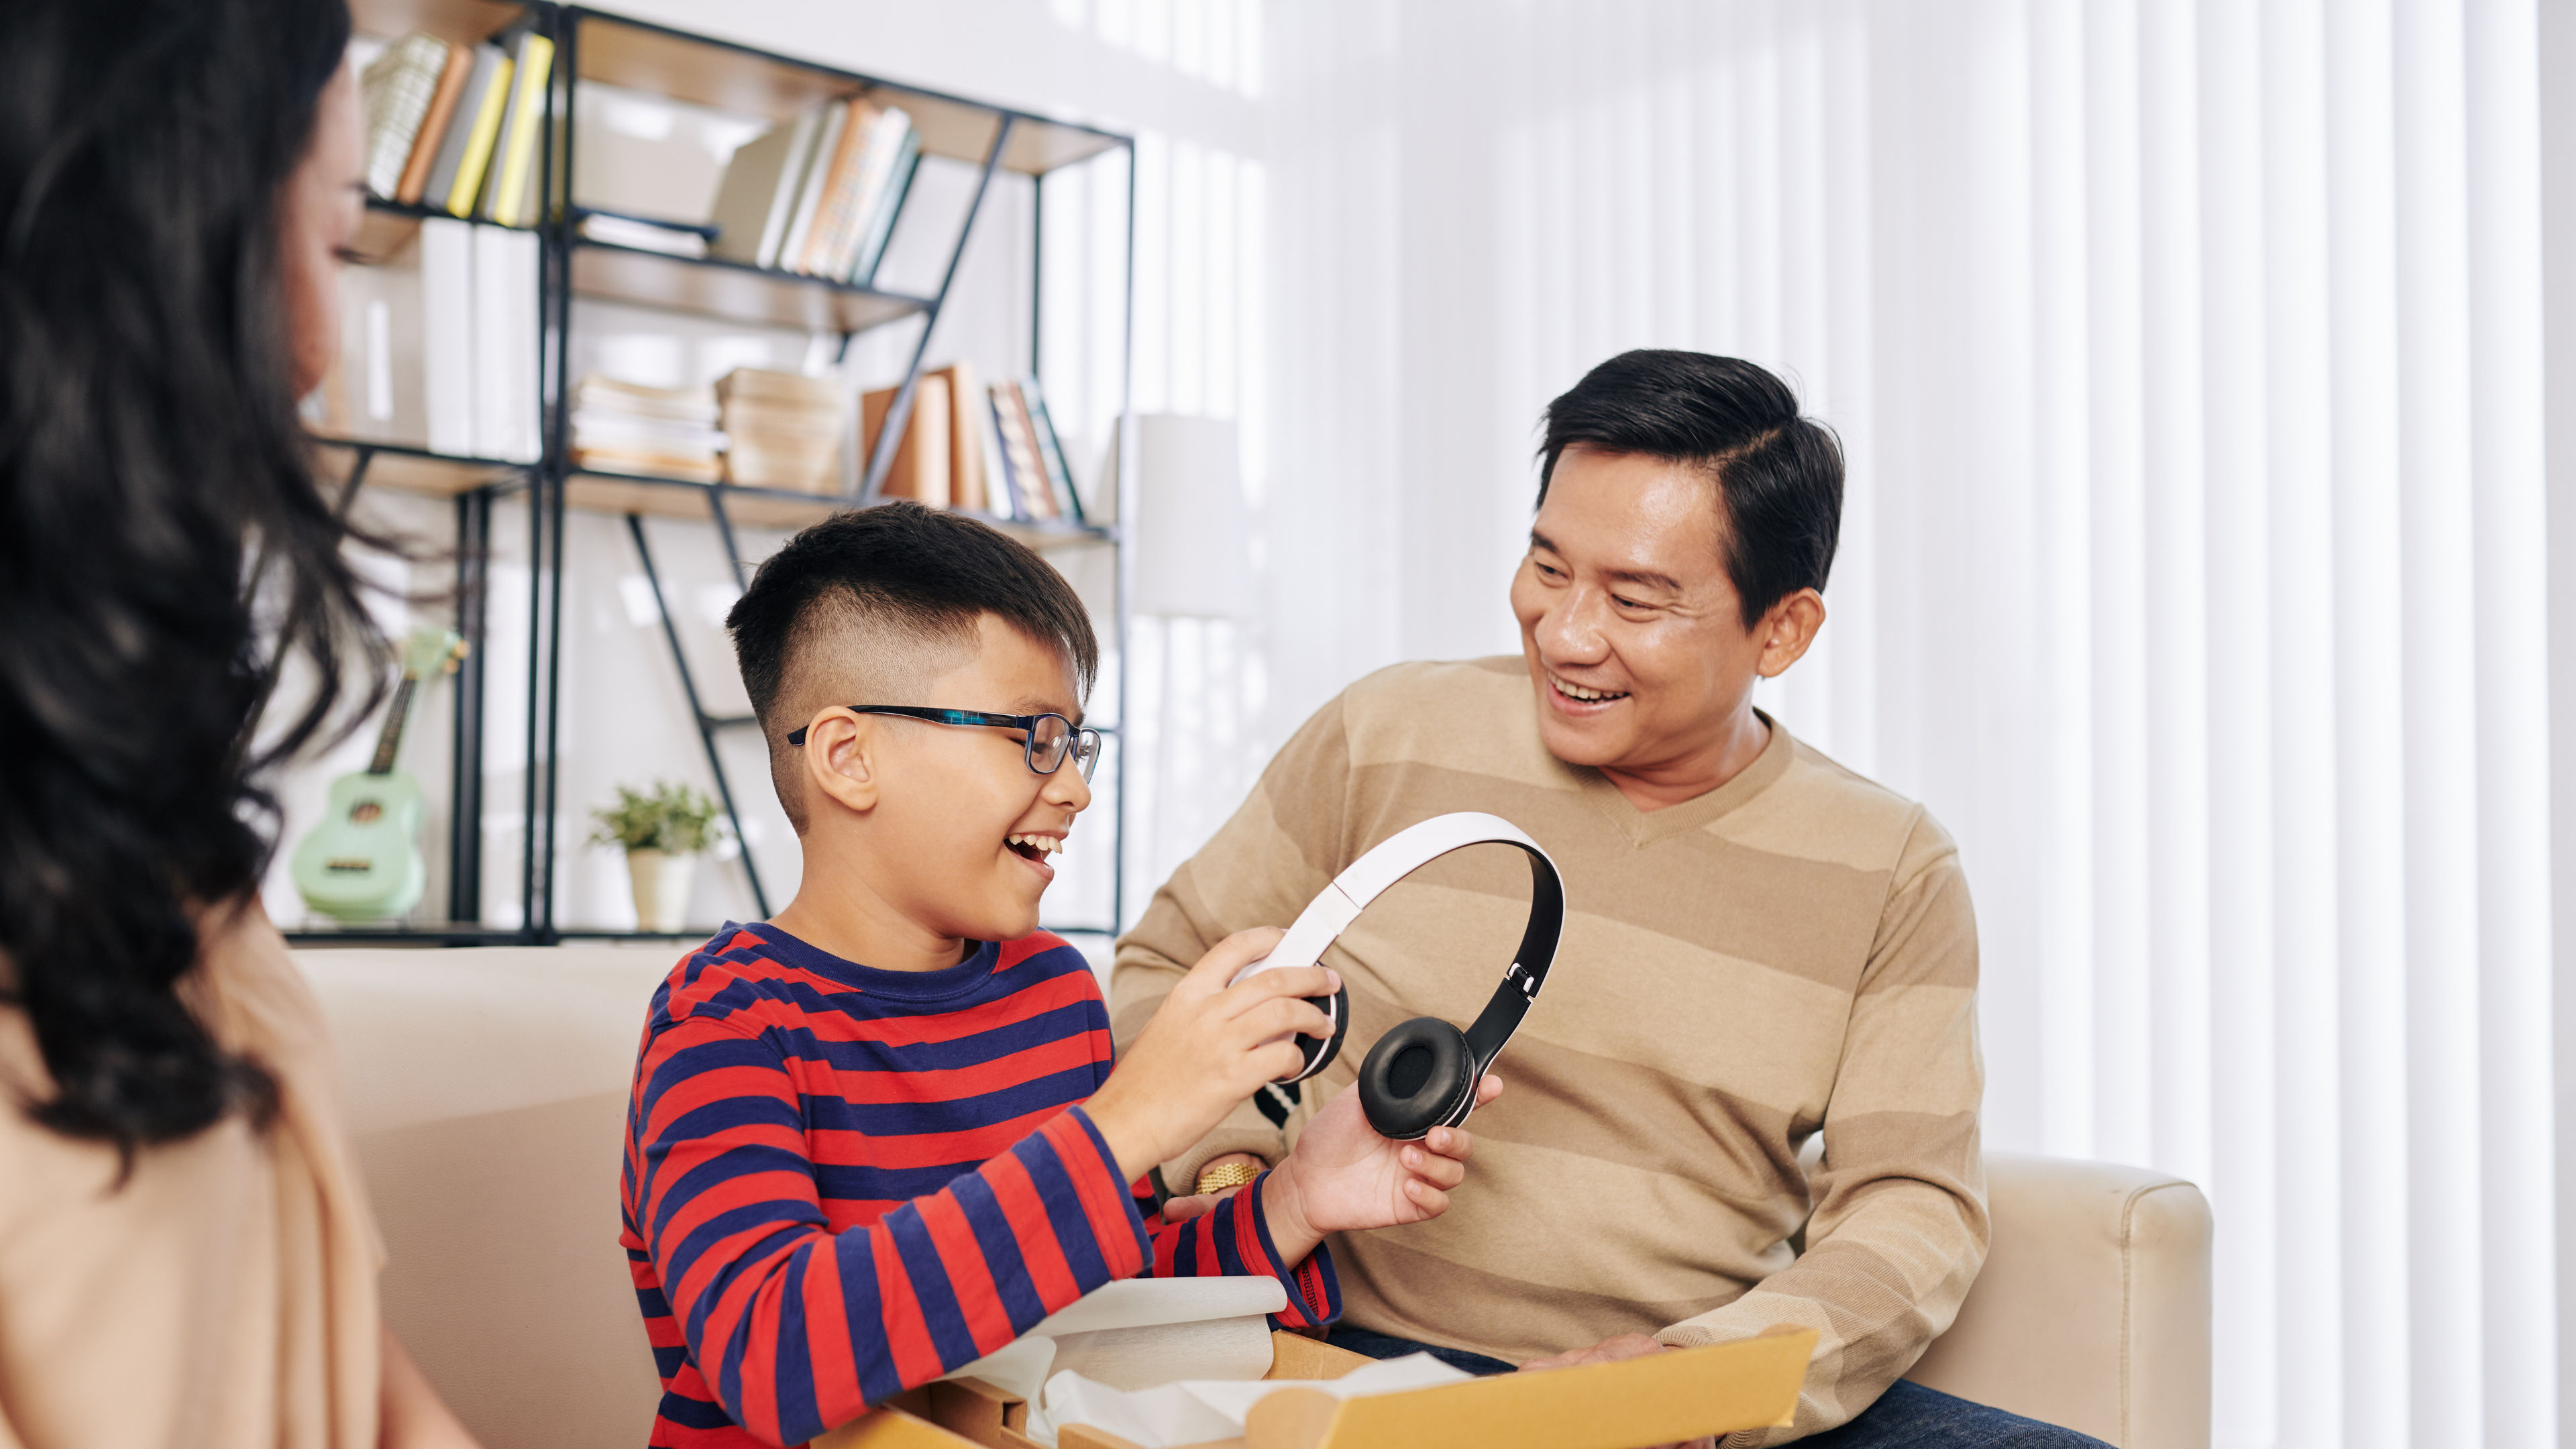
point(1791, 953)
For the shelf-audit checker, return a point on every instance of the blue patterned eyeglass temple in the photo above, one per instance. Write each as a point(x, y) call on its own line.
point(1048, 738)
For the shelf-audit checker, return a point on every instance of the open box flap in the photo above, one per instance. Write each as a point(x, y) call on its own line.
point(1661, 1398)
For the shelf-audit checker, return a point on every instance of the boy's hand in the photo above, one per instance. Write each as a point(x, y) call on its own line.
point(1208, 1048)
point(1342, 1176)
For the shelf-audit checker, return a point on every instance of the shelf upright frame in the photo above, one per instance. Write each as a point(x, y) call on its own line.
point(556, 225)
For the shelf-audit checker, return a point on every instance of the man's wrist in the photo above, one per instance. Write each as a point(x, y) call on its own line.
point(1229, 1170)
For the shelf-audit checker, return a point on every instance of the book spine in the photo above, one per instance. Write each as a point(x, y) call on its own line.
point(907, 165)
point(477, 157)
point(785, 192)
point(965, 441)
point(434, 124)
point(495, 410)
point(1051, 450)
point(398, 101)
point(809, 200)
point(989, 430)
point(447, 334)
point(840, 183)
point(876, 163)
point(527, 115)
point(460, 125)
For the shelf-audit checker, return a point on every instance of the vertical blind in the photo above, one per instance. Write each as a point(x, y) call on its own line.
point(2189, 360)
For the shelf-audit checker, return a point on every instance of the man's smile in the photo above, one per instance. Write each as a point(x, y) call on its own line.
point(1567, 689)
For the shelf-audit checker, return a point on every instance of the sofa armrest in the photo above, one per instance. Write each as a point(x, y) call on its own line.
point(2093, 1309)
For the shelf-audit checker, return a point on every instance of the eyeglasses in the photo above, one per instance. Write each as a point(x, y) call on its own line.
point(1047, 738)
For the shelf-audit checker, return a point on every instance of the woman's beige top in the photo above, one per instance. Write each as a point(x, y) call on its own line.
point(225, 1296)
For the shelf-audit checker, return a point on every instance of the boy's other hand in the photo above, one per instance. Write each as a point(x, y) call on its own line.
point(1342, 1176)
point(1208, 1047)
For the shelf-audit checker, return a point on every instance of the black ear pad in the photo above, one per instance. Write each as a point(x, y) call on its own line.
point(1416, 1078)
point(1320, 1050)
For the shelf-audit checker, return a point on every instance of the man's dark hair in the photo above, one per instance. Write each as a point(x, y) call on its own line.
point(899, 573)
point(1779, 476)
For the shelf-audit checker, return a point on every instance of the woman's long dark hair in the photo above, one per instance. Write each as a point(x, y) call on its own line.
point(151, 469)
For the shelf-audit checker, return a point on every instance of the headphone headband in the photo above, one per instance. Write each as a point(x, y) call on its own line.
point(1398, 856)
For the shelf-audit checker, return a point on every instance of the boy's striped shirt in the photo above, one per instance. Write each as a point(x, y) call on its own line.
point(843, 1182)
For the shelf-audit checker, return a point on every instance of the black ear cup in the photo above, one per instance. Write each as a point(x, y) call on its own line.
point(1416, 1078)
point(1320, 1050)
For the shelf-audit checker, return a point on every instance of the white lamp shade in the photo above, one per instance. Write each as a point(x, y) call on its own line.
point(1192, 532)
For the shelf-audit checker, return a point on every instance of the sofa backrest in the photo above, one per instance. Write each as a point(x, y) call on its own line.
point(486, 1090)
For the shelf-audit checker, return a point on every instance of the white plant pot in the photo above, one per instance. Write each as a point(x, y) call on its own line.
point(661, 882)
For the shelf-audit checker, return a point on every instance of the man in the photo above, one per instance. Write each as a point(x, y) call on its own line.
point(1761, 945)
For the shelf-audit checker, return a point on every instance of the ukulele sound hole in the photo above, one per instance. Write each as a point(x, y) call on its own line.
point(365, 812)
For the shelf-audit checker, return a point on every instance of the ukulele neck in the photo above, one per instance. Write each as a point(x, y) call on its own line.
point(389, 741)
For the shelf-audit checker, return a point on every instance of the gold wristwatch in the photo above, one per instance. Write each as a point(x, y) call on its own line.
point(1232, 1174)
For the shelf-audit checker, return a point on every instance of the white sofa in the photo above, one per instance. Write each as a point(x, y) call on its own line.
point(487, 1092)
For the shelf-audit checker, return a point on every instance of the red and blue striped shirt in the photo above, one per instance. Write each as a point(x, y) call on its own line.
point(842, 1182)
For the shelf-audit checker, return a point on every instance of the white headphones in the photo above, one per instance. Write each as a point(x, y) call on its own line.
point(1423, 1074)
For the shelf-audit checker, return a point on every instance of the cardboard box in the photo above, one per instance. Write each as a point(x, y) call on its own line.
point(1659, 1399)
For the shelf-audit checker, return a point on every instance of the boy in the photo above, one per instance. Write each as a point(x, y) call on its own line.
point(844, 1180)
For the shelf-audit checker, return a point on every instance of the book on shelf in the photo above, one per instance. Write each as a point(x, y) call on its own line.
point(818, 195)
point(920, 469)
point(664, 432)
point(782, 430)
point(479, 339)
point(510, 199)
point(809, 187)
point(457, 127)
point(1016, 450)
point(890, 205)
point(483, 131)
point(966, 477)
point(1051, 445)
point(757, 195)
point(452, 76)
point(645, 234)
point(483, 64)
point(397, 89)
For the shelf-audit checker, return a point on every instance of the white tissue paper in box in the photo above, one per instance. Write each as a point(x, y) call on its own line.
point(1141, 1332)
point(1196, 1412)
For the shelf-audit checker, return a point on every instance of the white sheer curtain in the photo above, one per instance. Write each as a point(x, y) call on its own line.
point(2190, 360)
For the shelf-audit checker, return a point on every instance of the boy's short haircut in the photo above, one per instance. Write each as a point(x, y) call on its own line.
point(895, 590)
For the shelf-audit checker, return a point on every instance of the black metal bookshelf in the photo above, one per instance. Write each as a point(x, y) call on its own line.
point(594, 46)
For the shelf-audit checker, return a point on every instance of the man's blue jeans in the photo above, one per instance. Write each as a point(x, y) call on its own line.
point(1907, 1416)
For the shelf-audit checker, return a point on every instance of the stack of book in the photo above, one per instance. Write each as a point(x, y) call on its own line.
point(819, 194)
point(455, 127)
point(782, 430)
point(663, 432)
point(982, 449)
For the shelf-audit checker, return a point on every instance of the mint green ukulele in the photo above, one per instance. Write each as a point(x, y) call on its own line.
point(363, 863)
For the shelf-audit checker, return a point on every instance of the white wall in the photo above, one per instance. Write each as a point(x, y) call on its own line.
point(2189, 357)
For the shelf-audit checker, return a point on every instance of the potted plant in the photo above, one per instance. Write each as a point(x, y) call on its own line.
point(664, 832)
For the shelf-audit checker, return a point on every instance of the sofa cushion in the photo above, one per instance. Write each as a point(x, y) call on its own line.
point(486, 1091)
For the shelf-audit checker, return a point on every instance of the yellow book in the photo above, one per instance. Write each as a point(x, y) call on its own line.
point(478, 143)
point(527, 118)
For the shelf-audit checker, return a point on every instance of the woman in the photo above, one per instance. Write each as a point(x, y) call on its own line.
point(186, 1257)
